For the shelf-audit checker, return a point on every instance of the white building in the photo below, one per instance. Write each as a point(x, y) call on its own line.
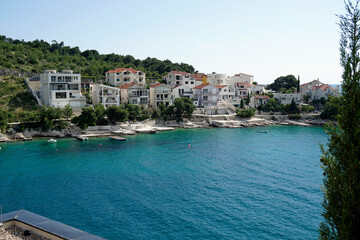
point(134, 93)
point(60, 89)
point(226, 92)
point(323, 91)
point(306, 87)
point(217, 78)
point(190, 80)
point(106, 95)
point(258, 100)
point(205, 95)
point(286, 98)
point(160, 93)
point(240, 77)
point(181, 91)
point(119, 76)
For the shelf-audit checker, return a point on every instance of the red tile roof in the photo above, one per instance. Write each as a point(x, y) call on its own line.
point(119, 70)
point(178, 72)
point(305, 84)
point(262, 97)
point(177, 86)
point(198, 76)
point(156, 85)
point(201, 86)
point(322, 87)
point(220, 86)
point(245, 84)
point(126, 85)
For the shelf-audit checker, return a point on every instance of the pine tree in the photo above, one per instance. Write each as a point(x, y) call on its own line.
point(341, 159)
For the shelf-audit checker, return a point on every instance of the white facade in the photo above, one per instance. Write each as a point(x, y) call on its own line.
point(286, 98)
point(205, 95)
point(181, 91)
point(226, 92)
point(160, 93)
point(119, 76)
point(323, 91)
point(106, 95)
point(60, 89)
point(217, 78)
point(190, 80)
point(240, 77)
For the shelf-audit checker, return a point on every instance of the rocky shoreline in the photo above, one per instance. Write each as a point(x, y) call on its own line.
point(148, 126)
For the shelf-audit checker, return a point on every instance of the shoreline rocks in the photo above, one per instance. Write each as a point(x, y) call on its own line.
point(153, 127)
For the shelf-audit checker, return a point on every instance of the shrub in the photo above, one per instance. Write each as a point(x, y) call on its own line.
point(295, 116)
point(249, 112)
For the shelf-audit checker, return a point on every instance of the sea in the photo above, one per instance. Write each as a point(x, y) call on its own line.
point(247, 183)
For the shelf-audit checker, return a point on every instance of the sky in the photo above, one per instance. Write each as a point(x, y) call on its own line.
point(264, 38)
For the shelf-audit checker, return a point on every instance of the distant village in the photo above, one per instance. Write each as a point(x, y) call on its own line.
point(214, 93)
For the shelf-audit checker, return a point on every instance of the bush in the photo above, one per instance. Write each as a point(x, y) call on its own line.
point(307, 108)
point(249, 112)
point(295, 116)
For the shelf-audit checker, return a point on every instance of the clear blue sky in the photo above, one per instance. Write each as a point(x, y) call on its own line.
point(260, 37)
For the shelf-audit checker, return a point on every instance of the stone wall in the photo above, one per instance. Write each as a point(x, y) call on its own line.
point(17, 73)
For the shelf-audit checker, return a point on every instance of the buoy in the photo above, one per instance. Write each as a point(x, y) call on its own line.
point(57, 150)
point(100, 144)
point(189, 145)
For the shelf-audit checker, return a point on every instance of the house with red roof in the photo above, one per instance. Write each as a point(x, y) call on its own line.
point(190, 80)
point(181, 91)
point(323, 91)
point(226, 92)
point(119, 76)
point(160, 93)
point(205, 95)
point(258, 100)
point(134, 93)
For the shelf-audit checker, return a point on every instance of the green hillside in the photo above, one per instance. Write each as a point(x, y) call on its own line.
point(16, 102)
point(38, 55)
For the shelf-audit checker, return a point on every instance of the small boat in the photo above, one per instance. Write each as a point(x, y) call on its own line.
point(261, 131)
point(52, 140)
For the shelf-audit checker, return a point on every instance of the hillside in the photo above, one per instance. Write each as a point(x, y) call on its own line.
point(37, 55)
point(16, 102)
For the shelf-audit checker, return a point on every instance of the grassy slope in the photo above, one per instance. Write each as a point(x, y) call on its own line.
point(16, 99)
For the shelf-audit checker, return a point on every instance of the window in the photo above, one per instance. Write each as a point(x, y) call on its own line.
point(118, 74)
point(118, 80)
point(177, 82)
point(186, 82)
point(192, 82)
point(108, 74)
point(60, 95)
point(205, 98)
point(205, 91)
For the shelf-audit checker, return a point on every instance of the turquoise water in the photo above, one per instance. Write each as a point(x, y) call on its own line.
point(229, 184)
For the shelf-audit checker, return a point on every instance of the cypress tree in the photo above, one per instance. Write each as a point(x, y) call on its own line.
point(341, 158)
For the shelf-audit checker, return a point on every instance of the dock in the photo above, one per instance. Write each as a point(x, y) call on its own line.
point(82, 138)
point(117, 138)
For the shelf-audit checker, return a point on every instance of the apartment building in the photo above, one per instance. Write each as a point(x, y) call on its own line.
point(160, 93)
point(61, 88)
point(106, 95)
point(134, 93)
point(119, 76)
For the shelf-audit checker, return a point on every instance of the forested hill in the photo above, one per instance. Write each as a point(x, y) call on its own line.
point(38, 55)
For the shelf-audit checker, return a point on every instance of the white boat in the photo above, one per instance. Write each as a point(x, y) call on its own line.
point(52, 140)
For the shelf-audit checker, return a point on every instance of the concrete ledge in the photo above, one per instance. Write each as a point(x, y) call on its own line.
point(44, 226)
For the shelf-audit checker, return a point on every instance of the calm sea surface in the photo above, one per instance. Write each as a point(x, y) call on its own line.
point(230, 184)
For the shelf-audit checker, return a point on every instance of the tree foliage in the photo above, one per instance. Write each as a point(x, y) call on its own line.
point(249, 112)
point(37, 55)
point(331, 108)
point(117, 114)
point(341, 158)
point(284, 83)
point(86, 118)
